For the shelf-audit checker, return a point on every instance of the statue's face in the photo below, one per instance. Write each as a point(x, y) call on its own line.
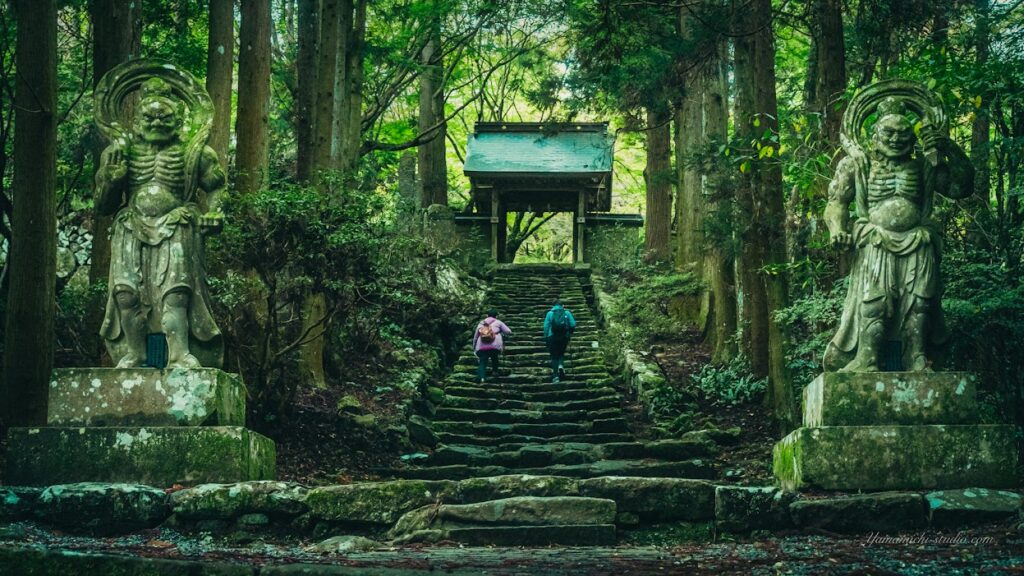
point(894, 136)
point(158, 122)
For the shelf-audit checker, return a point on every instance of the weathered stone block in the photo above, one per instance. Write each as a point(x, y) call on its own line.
point(883, 512)
point(956, 508)
point(659, 499)
point(517, 511)
point(747, 508)
point(158, 456)
point(145, 397)
point(876, 398)
point(498, 487)
point(103, 508)
point(376, 502)
point(896, 457)
point(223, 501)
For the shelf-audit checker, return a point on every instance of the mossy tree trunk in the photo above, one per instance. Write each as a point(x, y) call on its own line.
point(29, 329)
point(719, 265)
point(220, 70)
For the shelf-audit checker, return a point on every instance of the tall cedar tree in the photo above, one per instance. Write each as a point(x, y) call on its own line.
point(220, 58)
point(252, 124)
point(658, 177)
point(432, 162)
point(305, 97)
point(29, 341)
point(764, 243)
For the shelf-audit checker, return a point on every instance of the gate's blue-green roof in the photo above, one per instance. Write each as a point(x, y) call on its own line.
point(538, 149)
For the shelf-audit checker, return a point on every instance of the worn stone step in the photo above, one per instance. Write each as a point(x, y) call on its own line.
point(613, 425)
point(530, 455)
point(497, 441)
point(579, 372)
point(609, 401)
point(569, 535)
point(695, 469)
point(522, 391)
point(524, 416)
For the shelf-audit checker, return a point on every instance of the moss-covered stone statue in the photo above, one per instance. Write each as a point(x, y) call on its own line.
point(164, 184)
point(892, 180)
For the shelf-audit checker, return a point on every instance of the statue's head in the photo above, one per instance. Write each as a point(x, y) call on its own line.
point(893, 134)
point(160, 115)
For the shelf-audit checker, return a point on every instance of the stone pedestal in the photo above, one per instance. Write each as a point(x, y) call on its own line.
point(891, 431)
point(143, 425)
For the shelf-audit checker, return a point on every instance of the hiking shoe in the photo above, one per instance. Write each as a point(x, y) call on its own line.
point(555, 380)
point(561, 372)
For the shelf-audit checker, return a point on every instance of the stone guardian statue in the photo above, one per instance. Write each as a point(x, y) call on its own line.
point(892, 180)
point(164, 184)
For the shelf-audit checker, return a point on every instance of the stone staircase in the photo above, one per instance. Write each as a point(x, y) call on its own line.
point(520, 423)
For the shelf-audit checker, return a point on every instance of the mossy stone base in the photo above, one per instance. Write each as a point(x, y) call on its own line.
point(158, 456)
point(896, 457)
point(872, 398)
point(145, 397)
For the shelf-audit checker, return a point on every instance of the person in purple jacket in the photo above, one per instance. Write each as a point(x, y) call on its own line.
point(487, 343)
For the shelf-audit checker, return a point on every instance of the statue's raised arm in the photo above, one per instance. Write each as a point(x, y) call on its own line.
point(891, 176)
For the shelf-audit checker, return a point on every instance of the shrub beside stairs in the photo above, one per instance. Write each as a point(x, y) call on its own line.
point(564, 453)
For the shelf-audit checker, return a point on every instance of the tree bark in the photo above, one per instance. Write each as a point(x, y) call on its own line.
point(326, 73)
point(658, 176)
point(116, 38)
point(718, 260)
point(982, 123)
point(340, 115)
point(758, 117)
point(432, 162)
point(354, 88)
point(29, 332)
point(831, 68)
point(252, 124)
point(220, 69)
point(689, 199)
point(305, 97)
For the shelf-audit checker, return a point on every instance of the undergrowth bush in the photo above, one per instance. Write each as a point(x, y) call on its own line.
point(642, 306)
point(731, 383)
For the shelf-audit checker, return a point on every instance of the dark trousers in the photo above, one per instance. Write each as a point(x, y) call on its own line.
point(484, 355)
point(556, 347)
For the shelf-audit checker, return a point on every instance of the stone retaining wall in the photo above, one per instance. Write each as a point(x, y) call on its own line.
point(374, 507)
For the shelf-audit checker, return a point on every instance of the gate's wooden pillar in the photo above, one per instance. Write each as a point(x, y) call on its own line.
point(494, 225)
point(579, 227)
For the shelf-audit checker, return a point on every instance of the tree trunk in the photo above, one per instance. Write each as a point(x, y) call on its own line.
point(354, 88)
point(718, 261)
point(29, 341)
point(116, 38)
point(770, 214)
point(658, 176)
point(432, 162)
point(755, 300)
point(305, 97)
point(326, 72)
point(689, 199)
point(251, 127)
point(831, 68)
point(340, 114)
point(982, 123)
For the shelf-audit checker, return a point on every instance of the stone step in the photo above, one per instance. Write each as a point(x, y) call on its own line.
point(609, 401)
point(613, 425)
point(695, 469)
point(531, 455)
point(511, 439)
point(516, 391)
point(579, 394)
point(525, 416)
point(586, 371)
point(534, 361)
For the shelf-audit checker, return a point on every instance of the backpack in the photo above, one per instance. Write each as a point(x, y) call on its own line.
point(559, 322)
point(485, 333)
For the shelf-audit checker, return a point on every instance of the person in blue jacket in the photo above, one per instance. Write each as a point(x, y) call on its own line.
point(559, 325)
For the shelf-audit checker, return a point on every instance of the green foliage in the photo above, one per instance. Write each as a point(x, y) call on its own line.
point(731, 383)
point(642, 305)
point(811, 321)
